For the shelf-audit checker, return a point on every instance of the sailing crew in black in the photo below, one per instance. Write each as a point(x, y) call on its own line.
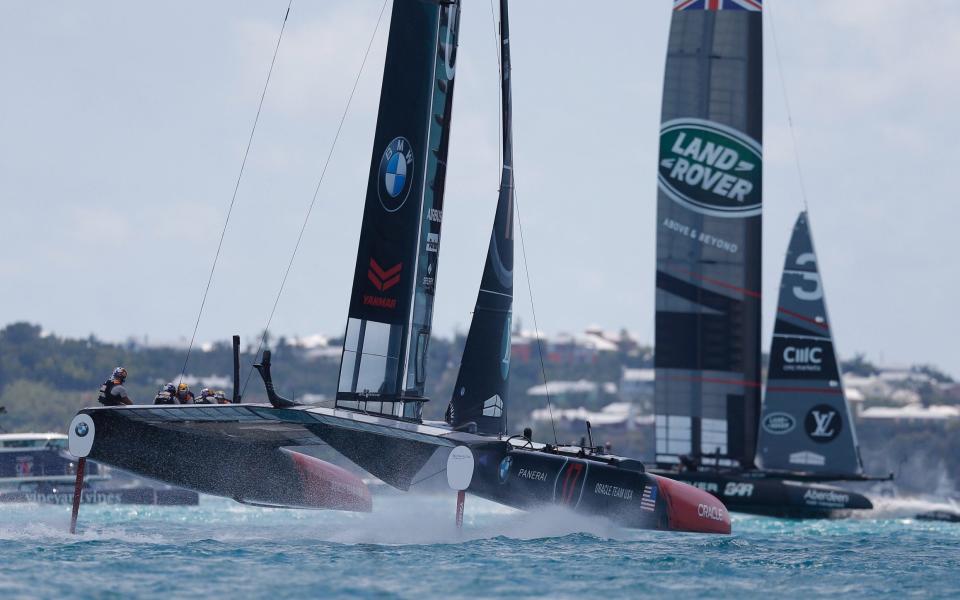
point(184, 395)
point(167, 395)
point(112, 392)
point(206, 397)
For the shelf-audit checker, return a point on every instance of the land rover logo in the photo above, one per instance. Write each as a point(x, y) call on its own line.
point(710, 168)
point(779, 423)
point(81, 429)
point(823, 423)
point(396, 174)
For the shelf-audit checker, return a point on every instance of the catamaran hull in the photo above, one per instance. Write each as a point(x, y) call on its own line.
point(220, 464)
point(773, 496)
point(529, 479)
point(241, 451)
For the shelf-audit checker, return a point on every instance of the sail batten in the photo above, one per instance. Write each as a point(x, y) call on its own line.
point(480, 394)
point(806, 424)
point(709, 203)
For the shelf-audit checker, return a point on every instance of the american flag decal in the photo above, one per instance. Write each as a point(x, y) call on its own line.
point(752, 5)
point(648, 501)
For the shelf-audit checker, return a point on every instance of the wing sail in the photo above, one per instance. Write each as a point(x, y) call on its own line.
point(480, 395)
point(709, 201)
point(806, 424)
point(391, 308)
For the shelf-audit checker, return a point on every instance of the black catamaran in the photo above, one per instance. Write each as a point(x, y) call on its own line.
point(377, 420)
point(708, 291)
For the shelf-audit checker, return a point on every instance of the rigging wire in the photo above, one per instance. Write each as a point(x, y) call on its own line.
point(533, 310)
point(236, 188)
point(786, 102)
point(316, 192)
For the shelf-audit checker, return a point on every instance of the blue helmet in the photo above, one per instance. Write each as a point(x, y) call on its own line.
point(170, 388)
point(120, 374)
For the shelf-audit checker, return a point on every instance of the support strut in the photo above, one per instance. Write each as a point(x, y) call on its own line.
point(461, 496)
point(77, 493)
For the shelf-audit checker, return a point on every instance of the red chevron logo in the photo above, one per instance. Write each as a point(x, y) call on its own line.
point(384, 279)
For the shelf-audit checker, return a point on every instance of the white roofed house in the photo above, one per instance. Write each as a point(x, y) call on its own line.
point(912, 412)
point(575, 393)
point(636, 387)
point(619, 415)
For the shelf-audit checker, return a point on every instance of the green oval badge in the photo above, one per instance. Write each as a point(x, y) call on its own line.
point(711, 168)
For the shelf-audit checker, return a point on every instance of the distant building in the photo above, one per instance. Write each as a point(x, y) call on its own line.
point(622, 415)
point(571, 349)
point(912, 412)
point(637, 387)
point(575, 393)
point(317, 346)
point(895, 387)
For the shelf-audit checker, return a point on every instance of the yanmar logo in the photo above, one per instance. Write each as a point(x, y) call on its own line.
point(384, 279)
point(710, 168)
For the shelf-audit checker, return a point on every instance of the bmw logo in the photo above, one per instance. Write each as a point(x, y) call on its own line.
point(505, 468)
point(81, 429)
point(396, 174)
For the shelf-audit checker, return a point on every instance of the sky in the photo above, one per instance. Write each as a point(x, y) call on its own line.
point(123, 125)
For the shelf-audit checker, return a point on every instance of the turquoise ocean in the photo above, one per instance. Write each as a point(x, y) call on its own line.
point(409, 548)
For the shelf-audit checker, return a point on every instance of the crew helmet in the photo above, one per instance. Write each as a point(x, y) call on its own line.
point(120, 374)
point(170, 388)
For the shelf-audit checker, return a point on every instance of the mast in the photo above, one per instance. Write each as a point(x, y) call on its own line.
point(806, 424)
point(480, 395)
point(383, 368)
point(709, 201)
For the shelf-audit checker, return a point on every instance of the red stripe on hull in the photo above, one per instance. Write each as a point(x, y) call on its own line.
point(329, 486)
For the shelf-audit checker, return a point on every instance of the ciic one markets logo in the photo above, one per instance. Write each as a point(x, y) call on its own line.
point(823, 423)
point(710, 168)
point(779, 423)
point(81, 429)
point(396, 174)
point(505, 468)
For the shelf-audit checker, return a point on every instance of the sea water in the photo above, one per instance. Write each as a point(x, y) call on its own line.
point(409, 548)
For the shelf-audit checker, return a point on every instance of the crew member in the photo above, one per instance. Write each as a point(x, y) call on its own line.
point(166, 395)
point(221, 397)
point(112, 392)
point(206, 397)
point(184, 395)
